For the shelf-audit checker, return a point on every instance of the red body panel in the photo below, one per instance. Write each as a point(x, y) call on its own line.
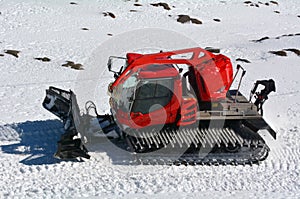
point(213, 78)
point(210, 76)
point(188, 112)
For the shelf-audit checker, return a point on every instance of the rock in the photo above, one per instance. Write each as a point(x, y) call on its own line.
point(261, 39)
point(77, 66)
point(109, 14)
point(186, 18)
point(43, 59)
point(164, 5)
point(296, 51)
point(12, 52)
point(274, 2)
point(73, 65)
point(213, 50)
point(278, 53)
point(183, 18)
point(196, 21)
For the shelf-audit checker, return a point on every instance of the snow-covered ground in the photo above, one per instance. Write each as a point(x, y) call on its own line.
point(80, 32)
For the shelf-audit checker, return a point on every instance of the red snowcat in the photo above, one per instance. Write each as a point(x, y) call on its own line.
point(172, 107)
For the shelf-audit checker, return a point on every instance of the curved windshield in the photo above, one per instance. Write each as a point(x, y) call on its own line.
point(124, 93)
point(134, 95)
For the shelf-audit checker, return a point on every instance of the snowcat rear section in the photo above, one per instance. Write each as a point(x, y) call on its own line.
point(237, 109)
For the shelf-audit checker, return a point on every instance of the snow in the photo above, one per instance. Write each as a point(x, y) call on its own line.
point(53, 29)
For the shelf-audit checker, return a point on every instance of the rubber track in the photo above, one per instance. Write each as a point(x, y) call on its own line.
point(146, 147)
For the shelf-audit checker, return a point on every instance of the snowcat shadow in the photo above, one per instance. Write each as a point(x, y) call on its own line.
point(37, 141)
point(114, 149)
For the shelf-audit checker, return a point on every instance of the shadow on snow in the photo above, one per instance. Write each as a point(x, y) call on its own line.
point(38, 139)
point(37, 142)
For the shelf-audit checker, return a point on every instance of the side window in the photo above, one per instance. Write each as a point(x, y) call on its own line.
point(163, 89)
point(146, 90)
point(152, 92)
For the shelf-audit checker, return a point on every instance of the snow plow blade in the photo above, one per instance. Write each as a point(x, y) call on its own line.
point(64, 105)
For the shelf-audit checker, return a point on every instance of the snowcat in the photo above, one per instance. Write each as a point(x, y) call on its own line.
point(172, 107)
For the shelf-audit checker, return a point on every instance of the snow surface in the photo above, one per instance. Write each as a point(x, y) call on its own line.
point(53, 29)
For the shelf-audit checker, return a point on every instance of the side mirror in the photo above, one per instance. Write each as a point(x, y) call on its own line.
point(120, 71)
point(116, 75)
point(109, 64)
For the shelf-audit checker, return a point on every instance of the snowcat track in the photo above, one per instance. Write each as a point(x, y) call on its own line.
point(236, 143)
point(198, 147)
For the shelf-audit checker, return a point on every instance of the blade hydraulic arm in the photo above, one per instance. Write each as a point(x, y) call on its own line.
point(262, 96)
